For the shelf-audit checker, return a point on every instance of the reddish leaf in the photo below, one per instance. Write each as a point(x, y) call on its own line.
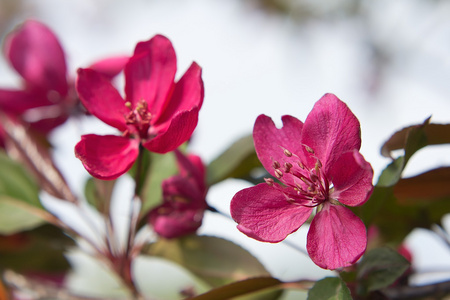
point(429, 186)
point(250, 286)
point(436, 134)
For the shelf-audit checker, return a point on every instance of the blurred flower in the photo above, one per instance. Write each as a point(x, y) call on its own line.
point(47, 98)
point(184, 201)
point(156, 112)
point(320, 166)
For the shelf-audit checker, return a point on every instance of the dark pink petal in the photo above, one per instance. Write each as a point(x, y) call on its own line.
point(188, 92)
point(192, 167)
point(150, 74)
point(171, 223)
point(101, 98)
point(36, 54)
point(351, 176)
point(47, 124)
point(107, 157)
point(263, 213)
point(111, 66)
point(331, 129)
point(270, 142)
point(178, 131)
point(16, 102)
point(336, 238)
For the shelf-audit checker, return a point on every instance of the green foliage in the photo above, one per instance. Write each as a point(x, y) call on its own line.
point(38, 250)
point(98, 193)
point(398, 205)
point(20, 208)
point(158, 167)
point(329, 288)
point(242, 288)
point(238, 161)
point(217, 261)
point(380, 268)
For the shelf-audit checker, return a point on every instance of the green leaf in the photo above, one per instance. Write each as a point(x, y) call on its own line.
point(98, 193)
point(329, 288)
point(380, 268)
point(217, 261)
point(15, 181)
point(20, 208)
point(413, 139)
point(241, 288)
point(236, 162)
point(41, 249)
point(17, 216)
point(160, 167)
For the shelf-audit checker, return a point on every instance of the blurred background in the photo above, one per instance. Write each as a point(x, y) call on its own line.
point(389, 60)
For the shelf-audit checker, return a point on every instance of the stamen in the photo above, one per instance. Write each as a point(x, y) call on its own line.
point(287, 153)
point(269, 181)
point(309, 149)
point(276, 165)
point(128, 104)
point(278, 173)
point(287, 167)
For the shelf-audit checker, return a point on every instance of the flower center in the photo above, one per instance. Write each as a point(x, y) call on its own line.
point(310, 185)
point(138, 119)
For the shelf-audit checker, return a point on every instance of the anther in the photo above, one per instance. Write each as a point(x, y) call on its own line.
point(276, 165)
point(278, 173)
point(269, 181)
point(302, 166)
point(287, 167)
point(287, 153)
point(128, 104)
point(319, 164)
point(309, 149)
point(314, 177)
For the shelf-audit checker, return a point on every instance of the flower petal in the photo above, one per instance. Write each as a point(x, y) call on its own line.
point(176, 133)
point(107, 157)
point(150, 73)
point(263, 213)
point(36, 54)
point(191, 167)
point(352, 178)
point(336, 238)
point(171, 223)
point(16, 101)
point(101, 99)
point(111, 66)
point(331, 129)
point(178, 187)
point(188, 92)
point(270, 141)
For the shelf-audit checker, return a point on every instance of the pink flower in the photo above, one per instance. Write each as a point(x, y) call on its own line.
point(157, 113)
point(319, 165)
point(47, 97)
point(184, 201)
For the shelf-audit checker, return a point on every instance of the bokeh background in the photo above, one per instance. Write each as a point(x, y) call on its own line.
point(389, 60)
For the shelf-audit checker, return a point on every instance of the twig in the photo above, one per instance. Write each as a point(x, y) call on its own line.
point(415, 292)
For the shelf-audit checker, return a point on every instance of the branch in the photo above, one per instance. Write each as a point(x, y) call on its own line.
point(415, 292)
